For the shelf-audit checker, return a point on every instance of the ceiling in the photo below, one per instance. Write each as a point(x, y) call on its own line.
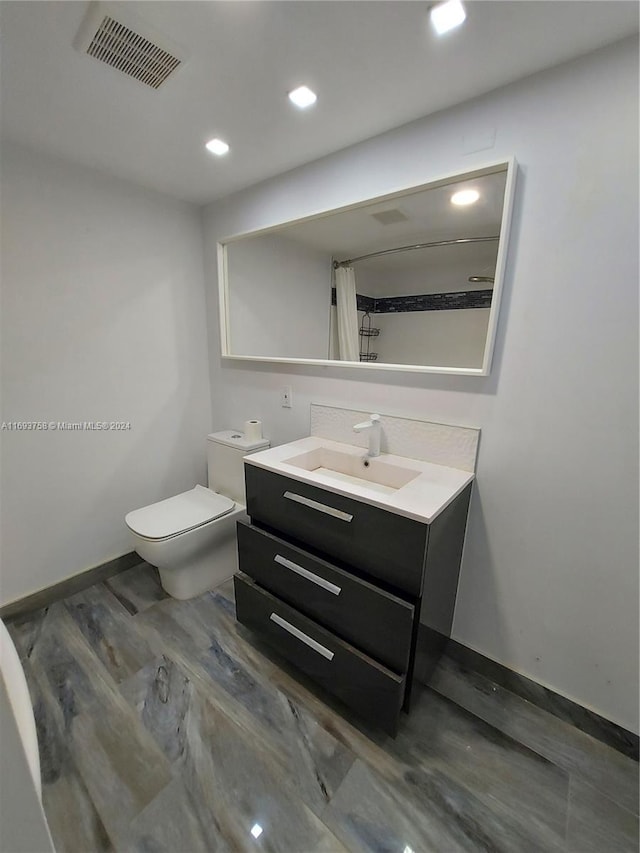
point(430, 216)
point(375, 66)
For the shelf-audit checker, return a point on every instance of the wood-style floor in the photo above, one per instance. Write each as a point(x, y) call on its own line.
point(164, 726)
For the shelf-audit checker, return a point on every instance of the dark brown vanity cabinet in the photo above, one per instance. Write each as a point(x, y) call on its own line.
point(355, 596)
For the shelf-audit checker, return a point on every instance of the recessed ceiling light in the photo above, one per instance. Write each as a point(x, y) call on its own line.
point(446, 16)
point(465, 197)
point(256, 830)
point(217, 146)
point(303, 97)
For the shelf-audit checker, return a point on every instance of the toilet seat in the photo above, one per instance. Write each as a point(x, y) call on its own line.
point(178, 514)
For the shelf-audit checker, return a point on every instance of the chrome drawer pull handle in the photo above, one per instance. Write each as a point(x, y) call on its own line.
point(304, 637)
point(329, 510)
point(305, 573)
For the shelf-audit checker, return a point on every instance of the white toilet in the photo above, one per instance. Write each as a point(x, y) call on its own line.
point(191, 537)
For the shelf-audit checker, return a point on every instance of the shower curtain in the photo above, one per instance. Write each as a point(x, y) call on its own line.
point(347, 315)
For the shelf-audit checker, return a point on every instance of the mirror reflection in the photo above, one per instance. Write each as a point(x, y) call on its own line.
point(404, 280)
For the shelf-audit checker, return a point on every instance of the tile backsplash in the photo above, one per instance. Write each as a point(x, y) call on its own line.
point(442, 444)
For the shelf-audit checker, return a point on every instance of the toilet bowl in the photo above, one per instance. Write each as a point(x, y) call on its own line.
point(191, 537)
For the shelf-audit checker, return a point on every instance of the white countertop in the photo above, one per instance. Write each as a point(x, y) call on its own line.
point(422, 499)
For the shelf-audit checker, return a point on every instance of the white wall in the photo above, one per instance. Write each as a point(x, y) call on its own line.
point(549, 581)
point(443, 273)
point(102, 319)
point(453, 338)
point(279, 298)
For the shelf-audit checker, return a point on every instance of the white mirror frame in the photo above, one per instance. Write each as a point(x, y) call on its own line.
point(484, 370)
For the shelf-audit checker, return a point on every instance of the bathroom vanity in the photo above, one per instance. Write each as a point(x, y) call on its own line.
point(349, 567)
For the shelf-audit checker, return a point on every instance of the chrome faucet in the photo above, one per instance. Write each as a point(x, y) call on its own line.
point(373, 424)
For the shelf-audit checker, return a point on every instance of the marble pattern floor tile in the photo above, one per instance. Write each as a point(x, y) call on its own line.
point(73, 819)
point(582, 718)
point(63, 659)
point(87, 731)
point(596, 824)
point(236, 788)
point(424, 811)
point(170, 823)
point(235, 781)
point(165, 727)
point(137, 588)
point(106, 626)
point(238, 680)
point(25, 630)
point(589, 760)
point(496, 769)
point(123, 772)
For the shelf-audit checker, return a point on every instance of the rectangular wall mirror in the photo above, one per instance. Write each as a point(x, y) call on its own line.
point(406, 281)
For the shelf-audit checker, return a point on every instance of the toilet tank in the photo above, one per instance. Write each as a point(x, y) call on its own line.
point(225, 451)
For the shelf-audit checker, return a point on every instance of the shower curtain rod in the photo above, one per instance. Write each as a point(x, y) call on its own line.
point(350, 261)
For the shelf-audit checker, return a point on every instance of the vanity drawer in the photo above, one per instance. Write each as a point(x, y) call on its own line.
point(373, 691)
point(373, 620)
point(381, 543)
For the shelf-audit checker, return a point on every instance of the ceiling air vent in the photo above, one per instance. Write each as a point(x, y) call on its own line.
point(390, 217)
point(126, 45)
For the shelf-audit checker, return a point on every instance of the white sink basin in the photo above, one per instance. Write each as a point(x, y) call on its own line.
point(357, 469)
point(409, 487)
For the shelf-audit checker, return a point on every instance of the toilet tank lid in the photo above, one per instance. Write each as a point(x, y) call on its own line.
point(236, 438)
point(178, 514)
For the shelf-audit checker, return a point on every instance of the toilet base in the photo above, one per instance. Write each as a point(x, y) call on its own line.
point(205, 573)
